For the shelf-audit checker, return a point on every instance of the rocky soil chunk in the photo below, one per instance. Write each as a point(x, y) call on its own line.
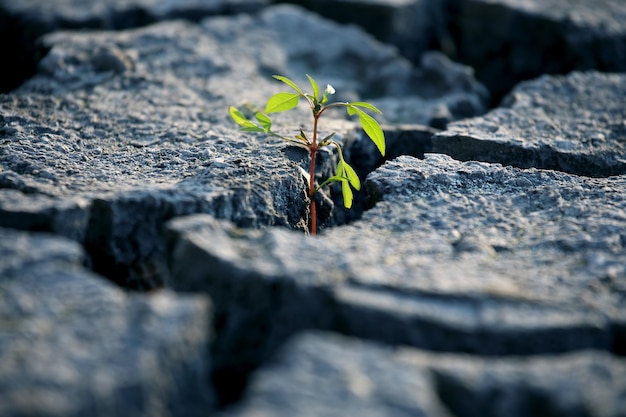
point(72, 344)
point(469, 257)
point(39, 212)
point(320, 374)
point(574, 123)
point(414, 26)
point(508, 274)
point(25, 21)
point(131, 128)
point(507, 41)
point(432, 91)
point(504, 41)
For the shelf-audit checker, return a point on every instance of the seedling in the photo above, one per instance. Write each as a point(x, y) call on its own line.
point(318, 103)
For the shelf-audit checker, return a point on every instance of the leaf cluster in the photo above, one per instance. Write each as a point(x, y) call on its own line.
point(318, 102)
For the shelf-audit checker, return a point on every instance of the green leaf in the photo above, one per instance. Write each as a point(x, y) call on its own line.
point(265, 121)
point(248, 123)
point(339, 169)
point(282, 102)
point(371, 128)
point(349, 172)
point(334, 178)
point(327, 139)
point(346, 191)
point(365, 105)
point(316, 90)
point(289, 83)
point(302, 137)
point(347, 194)
point(237, 116)
point(253, 128)
point(315, 105)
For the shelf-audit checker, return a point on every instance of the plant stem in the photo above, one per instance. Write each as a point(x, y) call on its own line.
point(313, 148)
point(312, 192)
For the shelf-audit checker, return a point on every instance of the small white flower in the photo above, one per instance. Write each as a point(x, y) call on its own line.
point(329, 89)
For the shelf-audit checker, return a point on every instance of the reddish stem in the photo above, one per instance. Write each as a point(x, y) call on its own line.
point(313, 217)
point(313, 150)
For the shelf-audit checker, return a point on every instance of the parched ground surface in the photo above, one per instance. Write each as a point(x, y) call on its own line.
point(154, 260)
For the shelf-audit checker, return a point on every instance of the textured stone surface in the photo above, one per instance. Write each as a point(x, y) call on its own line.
point(574, 123)
point(507, 41)
point(468, 257)
point(435, 89)
point(25, 21)
point(39, 212)
point(414, 26)
point(321, 374)
point(440, 92)
point(72, 344)
point(248, 273)
point(543, 235)
point(122, 143)
point(85, 128)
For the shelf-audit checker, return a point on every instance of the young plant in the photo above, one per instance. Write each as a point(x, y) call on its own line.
point(318, 103)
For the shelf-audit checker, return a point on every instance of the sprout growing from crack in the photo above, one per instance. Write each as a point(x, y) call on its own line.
point(344, 173)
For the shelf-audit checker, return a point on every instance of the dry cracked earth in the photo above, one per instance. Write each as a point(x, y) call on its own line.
point(154, 259)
